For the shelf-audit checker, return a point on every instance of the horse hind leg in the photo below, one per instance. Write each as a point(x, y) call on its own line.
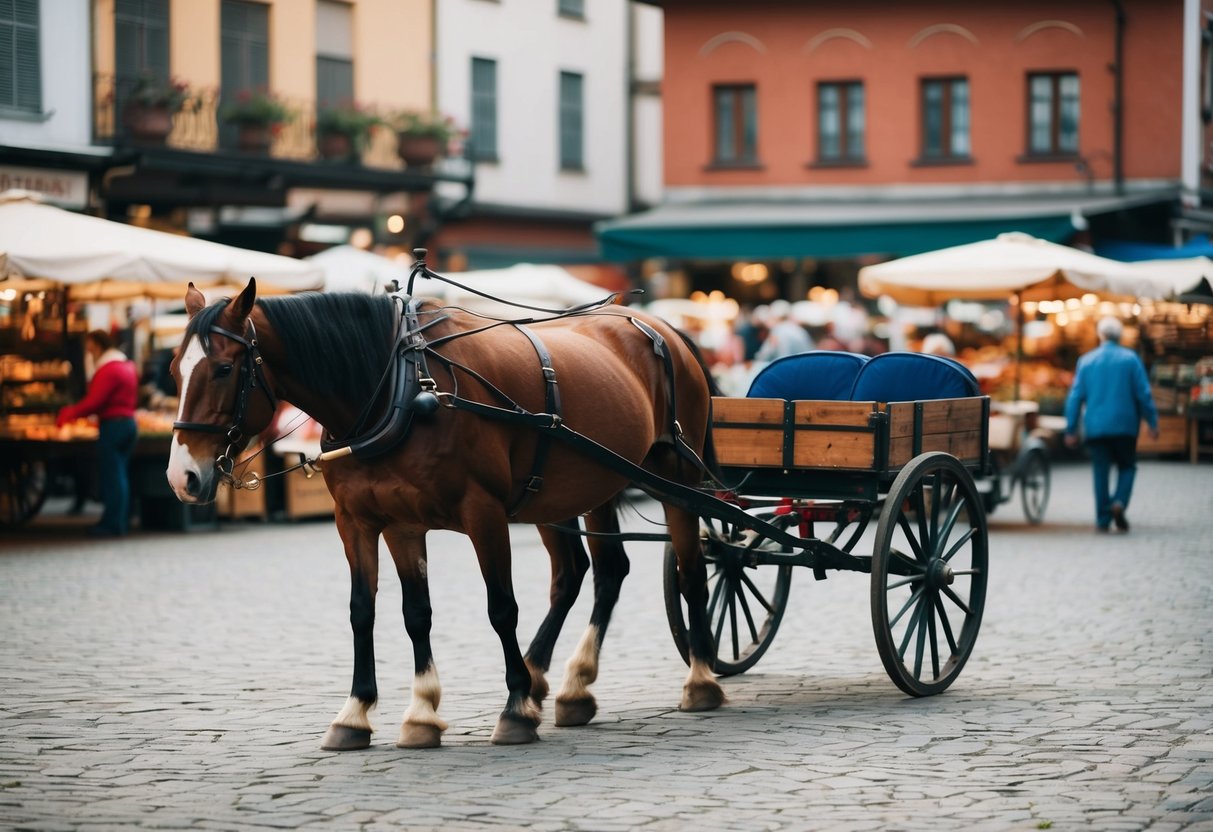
point(421, 726)
point(569, 565)
point(700, 691)
point(575, 705)
point(486, 524)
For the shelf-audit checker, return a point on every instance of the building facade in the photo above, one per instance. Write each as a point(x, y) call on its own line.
point(831, 130)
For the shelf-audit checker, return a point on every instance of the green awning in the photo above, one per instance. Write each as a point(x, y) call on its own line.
point(775, 230)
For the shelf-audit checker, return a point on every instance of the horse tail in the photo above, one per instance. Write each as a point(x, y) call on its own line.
point(709, 447)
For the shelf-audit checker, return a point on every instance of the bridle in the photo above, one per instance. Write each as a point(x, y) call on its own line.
point(248, 380)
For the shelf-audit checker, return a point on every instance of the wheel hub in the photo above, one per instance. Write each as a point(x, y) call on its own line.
point(939, 574)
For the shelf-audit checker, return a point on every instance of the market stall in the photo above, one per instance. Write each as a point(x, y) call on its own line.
point(1056, 294)
point(55, 260)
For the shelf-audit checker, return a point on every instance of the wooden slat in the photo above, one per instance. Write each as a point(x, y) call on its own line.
point(728, 410)
point(939, 416)
point(964, 445)
point(858, 414)
point(749, 447)
point(834, 449)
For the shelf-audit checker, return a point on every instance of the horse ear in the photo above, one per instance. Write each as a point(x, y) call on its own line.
point(242, 306)
point(194, 300)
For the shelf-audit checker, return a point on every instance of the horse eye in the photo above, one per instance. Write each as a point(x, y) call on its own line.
point(223, 371)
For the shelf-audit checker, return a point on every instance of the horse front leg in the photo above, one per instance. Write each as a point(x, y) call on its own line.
point(700, 691)
point(352, 728)
point(486, 524)
point(421, 726)
point(569, 565)
point(575, 705)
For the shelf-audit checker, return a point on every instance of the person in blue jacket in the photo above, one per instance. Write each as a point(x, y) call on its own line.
point(1111, 382)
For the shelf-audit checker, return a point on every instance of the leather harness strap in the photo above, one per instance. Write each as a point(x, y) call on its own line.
point(552, 406)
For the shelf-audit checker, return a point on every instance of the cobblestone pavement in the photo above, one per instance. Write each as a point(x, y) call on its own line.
point(184, 681)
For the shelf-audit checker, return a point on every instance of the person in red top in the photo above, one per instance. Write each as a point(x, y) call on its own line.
point(112, 395)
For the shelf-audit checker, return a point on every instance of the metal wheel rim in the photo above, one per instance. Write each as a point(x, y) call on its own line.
point(1034, 488)
point(929, 574)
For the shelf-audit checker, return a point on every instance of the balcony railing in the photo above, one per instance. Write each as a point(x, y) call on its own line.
point(199, 127)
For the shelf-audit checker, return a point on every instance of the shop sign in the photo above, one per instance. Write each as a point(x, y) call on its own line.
point(65, 188)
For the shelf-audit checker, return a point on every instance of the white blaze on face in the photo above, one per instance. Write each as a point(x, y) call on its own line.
point(179, 460)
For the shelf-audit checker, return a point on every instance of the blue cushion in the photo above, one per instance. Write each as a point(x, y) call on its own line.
point(824, 375)
point(912, 376)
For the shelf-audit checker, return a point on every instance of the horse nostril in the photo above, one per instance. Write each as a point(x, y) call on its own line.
point(193, 485)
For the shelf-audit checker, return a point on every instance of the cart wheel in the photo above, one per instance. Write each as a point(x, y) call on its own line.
point(745, 602)
point(1034, 486)
point(23, 484)
point(929, 571)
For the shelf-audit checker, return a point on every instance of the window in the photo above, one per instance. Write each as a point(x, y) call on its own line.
point(1053, 108)
point(945, 118)
point(20, 61)
point(736, 124)
point(141, 39)
point(571, 8)
point(334, 54)
point(483, 132)
point(572, 121)
point(244, 54)
point(840, 122)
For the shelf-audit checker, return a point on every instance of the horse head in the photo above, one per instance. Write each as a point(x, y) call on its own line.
point(225, 398)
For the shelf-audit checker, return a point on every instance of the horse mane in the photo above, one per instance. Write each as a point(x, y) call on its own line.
point(340, 342)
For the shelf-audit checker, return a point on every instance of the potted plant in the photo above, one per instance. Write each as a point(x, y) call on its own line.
point(422, 137)
point(343, 131)
point(259, 115)
point(149, 107)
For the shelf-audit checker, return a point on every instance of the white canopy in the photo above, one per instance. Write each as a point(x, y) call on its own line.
point(1173, 277)
point(1012, 263)
point(103, 260)
point(548, 286)
point(350, 269)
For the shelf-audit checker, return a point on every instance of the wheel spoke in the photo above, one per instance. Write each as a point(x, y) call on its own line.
point(922, 637)
point(920, 513)
point(948, 524)
point(956, 547)
point(957, 601)
point(910, 628)
point(936, 500)
point(733, 622)
point(716, 592)
point(914, 567)
point(719, 623)
point(934, 642)
point(745, 609)
point(947, 627)
point(902, 582)
point(913, 597)
point(758, 596)
point(904, 524)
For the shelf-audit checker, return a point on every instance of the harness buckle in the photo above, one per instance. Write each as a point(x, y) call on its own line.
point(535, 483)
point(556, 421)
point(549, 375)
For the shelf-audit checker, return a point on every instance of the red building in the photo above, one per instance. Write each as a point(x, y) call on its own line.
point(797, 130)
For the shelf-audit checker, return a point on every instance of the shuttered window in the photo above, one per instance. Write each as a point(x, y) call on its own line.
point(244, 51)
point(141, 39)
point(484, 110)
point(20, 64)
point(572, 121)
point(334, 54)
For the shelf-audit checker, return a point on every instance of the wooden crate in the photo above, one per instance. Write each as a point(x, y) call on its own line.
point(305, 497)
point(1172, 436)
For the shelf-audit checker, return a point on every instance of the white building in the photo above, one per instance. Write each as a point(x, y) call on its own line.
point(545, 90)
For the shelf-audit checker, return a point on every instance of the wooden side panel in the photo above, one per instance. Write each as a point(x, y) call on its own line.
point(858, 414)
point(834, 449)
point(748, 433)
point(940, 416)
point(965, 445)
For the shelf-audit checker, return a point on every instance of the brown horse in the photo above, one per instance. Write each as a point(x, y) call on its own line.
point(458, 469)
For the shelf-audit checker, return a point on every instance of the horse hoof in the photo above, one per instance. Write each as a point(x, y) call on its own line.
point(702, 698)
point(419, 736)
point(570, 712)
point(514, 732)
point(341, 738)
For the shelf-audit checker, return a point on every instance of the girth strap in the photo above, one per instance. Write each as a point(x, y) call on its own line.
point(544, 442)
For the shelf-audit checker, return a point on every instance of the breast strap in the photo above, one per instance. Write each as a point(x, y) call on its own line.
point(544, 442)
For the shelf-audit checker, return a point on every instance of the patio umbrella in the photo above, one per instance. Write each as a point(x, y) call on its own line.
point(350, 269)
point(98, 259)
point(1013, 265)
